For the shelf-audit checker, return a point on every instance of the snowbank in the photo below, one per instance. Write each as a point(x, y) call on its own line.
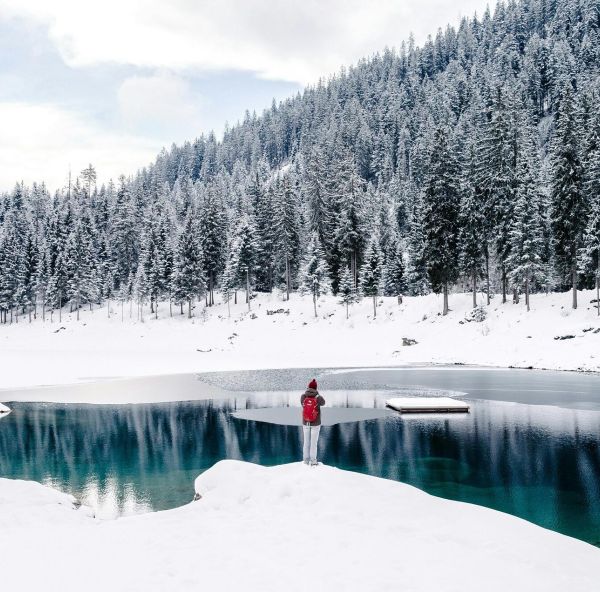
point(253, 528)
point(278, 334)
point(4, 409)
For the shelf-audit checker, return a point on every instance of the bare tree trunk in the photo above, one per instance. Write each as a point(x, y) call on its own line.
point(210, 296)
point(248, 288)
point(287, 278)
point(60, 309)
point(156, 309)
point(170, 307)
point(598, 285)
point(503, 284)
point(574, 275)
point(527, 293)
point(374, 306)
point(189, 308)
point(122, 309)
point(315, 302)
point(515, 295)
point(474, 289)
point(487, 275)
point(346, 310)
point(445, 309)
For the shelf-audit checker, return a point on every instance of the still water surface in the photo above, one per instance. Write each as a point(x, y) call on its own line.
point(530, 446)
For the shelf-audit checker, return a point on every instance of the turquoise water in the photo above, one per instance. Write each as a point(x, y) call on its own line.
point(537, 461)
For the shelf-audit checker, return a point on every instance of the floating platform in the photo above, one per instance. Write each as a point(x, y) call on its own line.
point(428, 405)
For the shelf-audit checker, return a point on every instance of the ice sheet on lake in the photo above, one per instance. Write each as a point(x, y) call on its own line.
point(293, 415)
point(426, 403)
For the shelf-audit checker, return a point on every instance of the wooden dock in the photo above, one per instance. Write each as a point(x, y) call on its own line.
point(428, 405)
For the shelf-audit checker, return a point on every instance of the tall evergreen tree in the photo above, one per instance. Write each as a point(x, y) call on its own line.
point(314, 273)
point(589, 259)
point(569, 205)
point(346, 290)
point(442, 202)
point(394, 274)
point(188, 274)
point(371, 272)
point(287, 231)
point(472, 233)
point(527, 236)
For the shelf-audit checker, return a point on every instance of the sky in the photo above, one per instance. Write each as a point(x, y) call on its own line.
point(112, 82)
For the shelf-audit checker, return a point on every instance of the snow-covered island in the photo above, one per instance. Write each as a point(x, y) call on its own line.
point(256, 528)
point(285, 334)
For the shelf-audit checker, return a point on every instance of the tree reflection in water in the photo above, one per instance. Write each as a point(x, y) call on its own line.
point(539, 463)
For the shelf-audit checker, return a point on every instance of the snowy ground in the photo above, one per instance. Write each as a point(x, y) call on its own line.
point(97, 347)
point(290, 527)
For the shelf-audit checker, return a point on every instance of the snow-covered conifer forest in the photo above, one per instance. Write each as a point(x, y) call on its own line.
point(470, 162)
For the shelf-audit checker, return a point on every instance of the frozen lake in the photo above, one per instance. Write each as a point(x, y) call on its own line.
point(530, 446)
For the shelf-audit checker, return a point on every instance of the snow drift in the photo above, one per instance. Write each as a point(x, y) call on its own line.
point(253, 526)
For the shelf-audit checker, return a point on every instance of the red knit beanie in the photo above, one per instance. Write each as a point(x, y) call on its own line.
point(312, 384)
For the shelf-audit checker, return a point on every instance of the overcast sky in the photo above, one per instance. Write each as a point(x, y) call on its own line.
point(112, 82)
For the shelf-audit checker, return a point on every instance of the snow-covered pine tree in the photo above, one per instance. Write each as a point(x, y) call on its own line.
point(314, 272)
point(525, 262)
point(245, 239)
point(80, 279)
point(188, 280)
point(124, 236)
point(569, 207)
point(589, 259)
point(286, 220)
point(394, 280)
point(213, 235)
point(42, 278)
point(371, 272)
point(471, 222)
point(349, 237)
point(314, 190)
point(141, 289)
point(262, 201)
point(495, 171)
point(417, 280)
point(346, 289)
point(442, 203)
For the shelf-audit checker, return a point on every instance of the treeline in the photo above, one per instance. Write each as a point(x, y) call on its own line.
point(472, 162)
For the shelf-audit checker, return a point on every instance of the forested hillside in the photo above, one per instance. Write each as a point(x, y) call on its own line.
point(472, 161)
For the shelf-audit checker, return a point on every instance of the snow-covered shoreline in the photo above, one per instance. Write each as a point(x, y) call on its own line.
point(279, 334)
point(252, 527)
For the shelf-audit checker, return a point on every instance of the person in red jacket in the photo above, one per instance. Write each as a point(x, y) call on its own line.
point(311, 402)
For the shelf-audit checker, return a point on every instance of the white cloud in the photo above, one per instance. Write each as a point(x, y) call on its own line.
point(160, 104)
point(41, 142)
point(279, 39)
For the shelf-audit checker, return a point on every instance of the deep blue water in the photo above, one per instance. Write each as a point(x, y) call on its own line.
point(538, 461)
